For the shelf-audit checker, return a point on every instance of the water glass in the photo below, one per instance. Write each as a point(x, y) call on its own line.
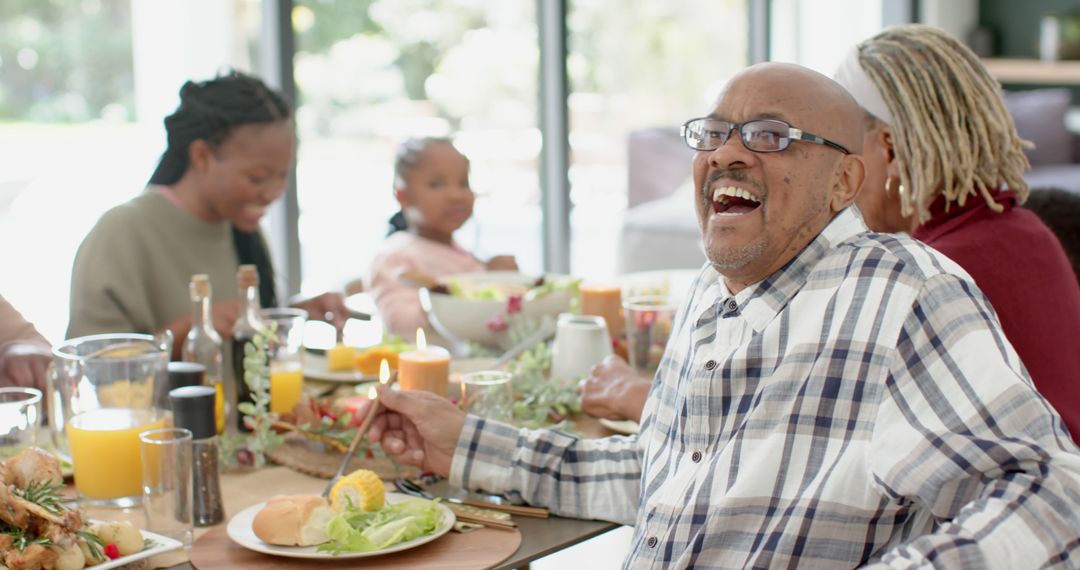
point(101, 395)
point(166, 482)
point(20, 415)
point(649, 321)
point(286, 353)
point(488, 394)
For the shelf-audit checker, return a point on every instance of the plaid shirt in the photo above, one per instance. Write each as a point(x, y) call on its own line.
point(859, 406)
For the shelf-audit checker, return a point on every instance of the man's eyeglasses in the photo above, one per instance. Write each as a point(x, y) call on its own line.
point(760, 135)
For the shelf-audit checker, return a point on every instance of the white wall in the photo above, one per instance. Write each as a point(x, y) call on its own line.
point(817, 33)
point(174, 42)
point(957, 17)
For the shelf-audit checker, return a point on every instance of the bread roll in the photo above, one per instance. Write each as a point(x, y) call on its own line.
point(293, 520)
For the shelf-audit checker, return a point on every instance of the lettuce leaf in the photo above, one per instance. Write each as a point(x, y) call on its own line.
point(356, 530)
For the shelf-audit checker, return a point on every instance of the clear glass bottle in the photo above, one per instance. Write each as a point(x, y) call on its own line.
point(204, 346)
point(243, 331)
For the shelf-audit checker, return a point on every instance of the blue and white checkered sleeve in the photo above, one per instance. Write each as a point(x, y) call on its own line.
point(572, 476)
point(962, 432)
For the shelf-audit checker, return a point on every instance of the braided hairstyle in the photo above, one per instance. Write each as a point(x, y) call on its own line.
point(209, 111)
point(953, 135)
point(408, 158)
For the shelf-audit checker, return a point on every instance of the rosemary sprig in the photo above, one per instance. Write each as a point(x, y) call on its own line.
point(93, 543)
point(44, 495)
point(21, 541)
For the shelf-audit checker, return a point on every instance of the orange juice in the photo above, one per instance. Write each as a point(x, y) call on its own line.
point(219, 407)
point(105, 450)
point(286, 386)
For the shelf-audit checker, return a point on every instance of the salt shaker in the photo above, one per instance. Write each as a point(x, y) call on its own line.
point(193, 409)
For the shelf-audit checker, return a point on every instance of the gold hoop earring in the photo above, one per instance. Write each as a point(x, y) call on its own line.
point(900, 191)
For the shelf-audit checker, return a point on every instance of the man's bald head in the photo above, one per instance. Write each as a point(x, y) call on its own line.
point(822, 105)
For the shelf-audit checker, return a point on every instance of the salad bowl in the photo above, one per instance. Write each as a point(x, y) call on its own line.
point(480, 307)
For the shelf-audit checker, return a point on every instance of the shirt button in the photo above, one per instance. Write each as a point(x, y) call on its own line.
point(696, 457)
point(732, 305)
point(652, 542)
point(710, 365)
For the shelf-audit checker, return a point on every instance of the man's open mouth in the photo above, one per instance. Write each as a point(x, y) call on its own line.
point(733, 201)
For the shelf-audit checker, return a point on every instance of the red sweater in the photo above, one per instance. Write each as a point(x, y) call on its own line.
point(1019, 264)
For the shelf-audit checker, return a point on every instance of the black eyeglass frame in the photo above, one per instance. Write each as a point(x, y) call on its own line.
point(793, 134)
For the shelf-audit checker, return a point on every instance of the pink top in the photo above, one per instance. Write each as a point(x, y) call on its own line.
point(399, 303)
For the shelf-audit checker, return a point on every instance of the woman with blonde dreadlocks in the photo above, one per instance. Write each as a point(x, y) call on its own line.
point(944, 163)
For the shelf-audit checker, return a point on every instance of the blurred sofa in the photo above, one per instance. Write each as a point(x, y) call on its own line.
point(660, 229)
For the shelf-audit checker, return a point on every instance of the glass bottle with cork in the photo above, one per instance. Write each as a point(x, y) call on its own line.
point(204, 346)
point(244, 329)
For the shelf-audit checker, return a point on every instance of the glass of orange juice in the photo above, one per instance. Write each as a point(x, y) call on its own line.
point(286, 353)
point(103, 391)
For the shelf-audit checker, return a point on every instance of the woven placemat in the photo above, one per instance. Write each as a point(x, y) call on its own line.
point(313, 458)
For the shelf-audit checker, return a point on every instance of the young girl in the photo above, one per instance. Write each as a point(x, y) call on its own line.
point(431, 183)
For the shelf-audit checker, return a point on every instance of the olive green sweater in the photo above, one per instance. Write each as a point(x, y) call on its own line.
point(132, 271)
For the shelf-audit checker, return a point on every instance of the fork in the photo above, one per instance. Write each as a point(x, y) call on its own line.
point(410, 488)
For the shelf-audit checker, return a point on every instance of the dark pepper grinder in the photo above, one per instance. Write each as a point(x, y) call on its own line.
point(193, 409)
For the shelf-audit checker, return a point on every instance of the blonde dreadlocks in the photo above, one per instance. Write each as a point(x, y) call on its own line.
point(952, 134)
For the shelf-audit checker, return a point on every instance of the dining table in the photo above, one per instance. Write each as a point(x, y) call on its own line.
point(539, 537)
point(213, 549)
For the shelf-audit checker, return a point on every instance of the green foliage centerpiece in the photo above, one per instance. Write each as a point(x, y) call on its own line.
point(249, 450)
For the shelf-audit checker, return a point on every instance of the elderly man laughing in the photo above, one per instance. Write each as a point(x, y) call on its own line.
point(831, 397)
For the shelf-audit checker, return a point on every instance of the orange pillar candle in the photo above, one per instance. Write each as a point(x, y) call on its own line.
point(604, 301)
point(426, 368)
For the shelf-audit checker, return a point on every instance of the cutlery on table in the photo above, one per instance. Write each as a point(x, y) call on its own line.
point(410, 488)
point(465, 513)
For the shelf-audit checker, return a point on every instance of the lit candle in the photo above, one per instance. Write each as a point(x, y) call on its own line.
point(604, 301)
point(426, 368)
point(354, 404)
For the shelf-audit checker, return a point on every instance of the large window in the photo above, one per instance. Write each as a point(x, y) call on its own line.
point(636, 64)
point(808, 32)
point(372, 73)
point(84, 86)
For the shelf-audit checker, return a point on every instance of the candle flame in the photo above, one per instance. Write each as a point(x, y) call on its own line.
point(371, 393)
point(384, 372)
point(421, 340)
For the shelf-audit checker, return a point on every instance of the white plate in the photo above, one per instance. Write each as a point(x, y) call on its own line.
point(239, 530)
point(162, 544)
point(627, 427)
point(316, 368)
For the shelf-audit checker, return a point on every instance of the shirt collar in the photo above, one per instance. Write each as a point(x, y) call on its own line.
point(759, 303)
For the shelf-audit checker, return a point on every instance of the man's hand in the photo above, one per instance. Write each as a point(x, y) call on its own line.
point(614, 391)
point(417, 428)
point(502, 263)
point(24, 364)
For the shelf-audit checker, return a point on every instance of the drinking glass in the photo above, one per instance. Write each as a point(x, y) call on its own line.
point(488, 394)
point(166, 482)
point(101, 395)
point(649, 320)
point(286, 353)
point(20, 415)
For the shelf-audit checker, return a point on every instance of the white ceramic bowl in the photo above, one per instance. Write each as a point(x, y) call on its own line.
point(463, 319)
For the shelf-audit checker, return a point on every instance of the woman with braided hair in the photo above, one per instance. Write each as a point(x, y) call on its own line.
point(944, 162)
point(231, 146)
